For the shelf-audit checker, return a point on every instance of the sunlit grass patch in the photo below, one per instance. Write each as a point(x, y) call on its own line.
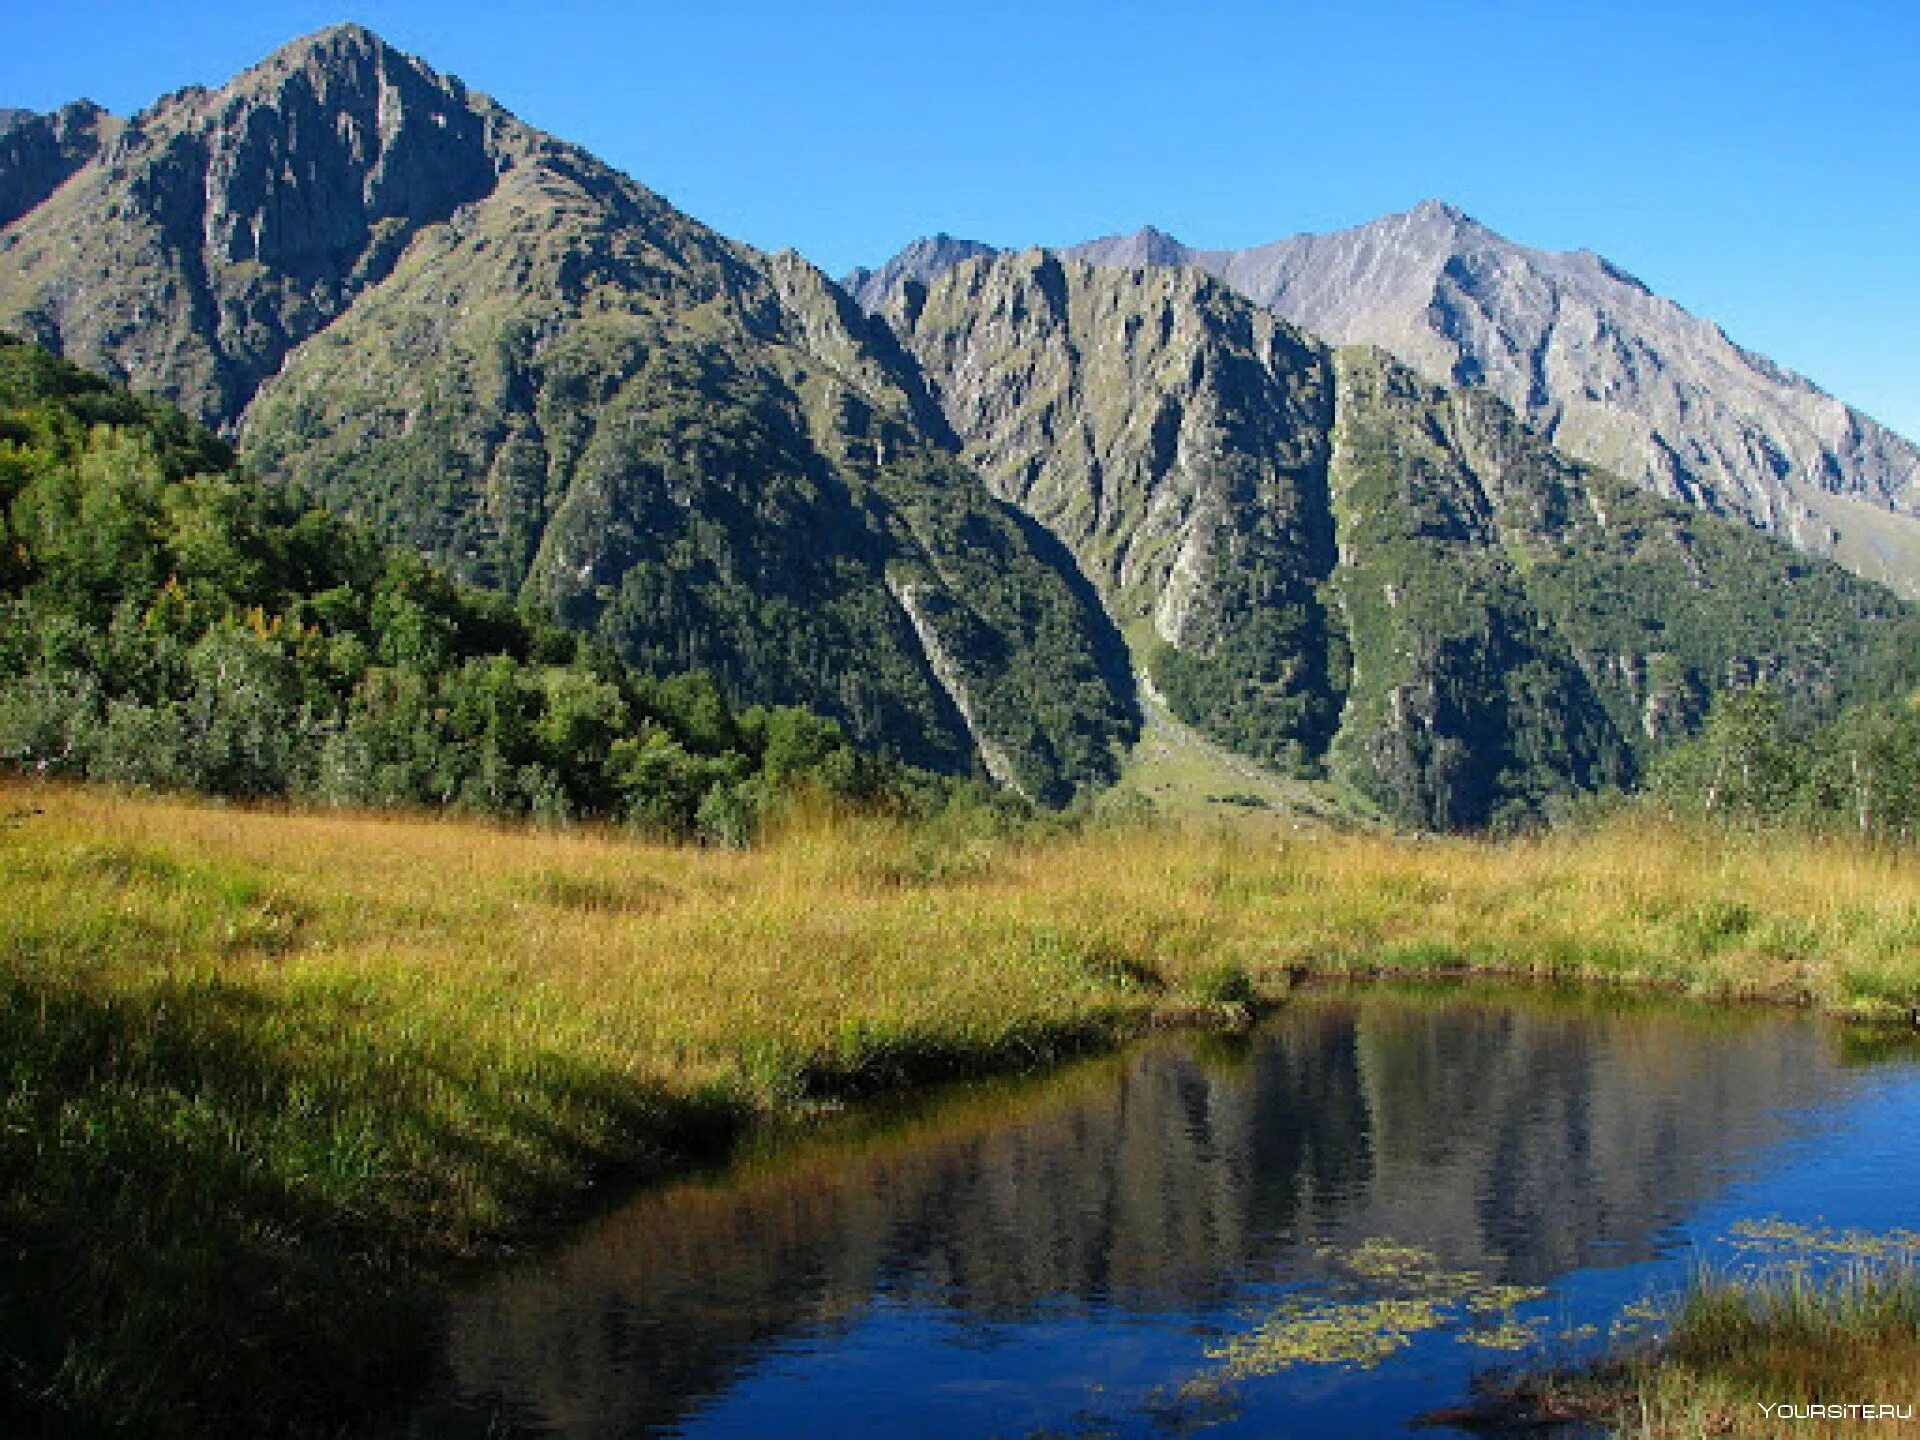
point(1793, 1335)
point(1808, 1316)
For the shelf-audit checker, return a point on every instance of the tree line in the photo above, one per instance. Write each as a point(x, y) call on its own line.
point(166, 621)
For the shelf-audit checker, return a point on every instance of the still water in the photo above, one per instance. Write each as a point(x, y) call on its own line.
point(1138, 1245)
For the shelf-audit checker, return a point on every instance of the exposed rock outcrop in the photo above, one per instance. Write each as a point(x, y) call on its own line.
point(935, 525)
point(40, 153)
point(1331, 562)
point(221, 228)
point(921, 260)
point(1587, 355)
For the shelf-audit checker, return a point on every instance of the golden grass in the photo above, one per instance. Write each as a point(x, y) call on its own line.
point(382, 1035)
point(1811, 1328)
point(1762, 1356)
point(1830, 1319)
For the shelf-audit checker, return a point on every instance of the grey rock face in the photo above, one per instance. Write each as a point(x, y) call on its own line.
point(219, 229)
point(39, 153)
point(1139, 417)
point(1326, 562)
point(1145, 246)
point(1590, 358)
point(1176, 440)
point(922, 260)
point(1598, 364)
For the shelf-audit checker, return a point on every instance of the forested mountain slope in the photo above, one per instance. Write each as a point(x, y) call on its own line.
point(943, 526)
point(496, 349)
point(167, 622)
point(1332, 562)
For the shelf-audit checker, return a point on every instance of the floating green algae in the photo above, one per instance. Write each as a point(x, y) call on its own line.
point(1361, 1333)
point(1382, 1294)
point(1782, 1239)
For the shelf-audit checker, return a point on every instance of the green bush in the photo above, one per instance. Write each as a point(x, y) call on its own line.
point(164, 622)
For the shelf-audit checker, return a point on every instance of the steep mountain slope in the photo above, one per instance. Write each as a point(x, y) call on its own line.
point(1176, 439)
point(1325, 560)
point(1606, 370)
point(38, 153)
point(168, 622)
point(497, 349)
point(936, 527)
point(223, 227)
point(1598, 364)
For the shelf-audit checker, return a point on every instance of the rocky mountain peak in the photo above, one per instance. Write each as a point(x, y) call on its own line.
point(1326, 563)
point(346, 37)
point(250, 215)
point(1599, 364)
point(342, 129)
point(344, 51)
point(1434, 212)
point(1145, 247)
point(1157, 247)
point(956, 528)
point(922, 259)
point(1593, 359)
point(40, 153)
point(498, 351)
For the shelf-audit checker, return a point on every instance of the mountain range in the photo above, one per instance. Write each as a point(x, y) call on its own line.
point(1583, 352)
point(489, 345)
point(1329, 563)
point(1005, 504)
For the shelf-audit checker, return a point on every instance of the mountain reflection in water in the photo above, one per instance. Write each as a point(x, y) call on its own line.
point(1126, 1205)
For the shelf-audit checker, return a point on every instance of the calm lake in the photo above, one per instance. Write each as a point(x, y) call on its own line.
point(1190, 1235)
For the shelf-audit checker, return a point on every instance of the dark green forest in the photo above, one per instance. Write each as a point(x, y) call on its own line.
point(166, 622)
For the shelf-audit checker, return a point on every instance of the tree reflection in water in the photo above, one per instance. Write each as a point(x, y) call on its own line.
point(1516, 1137)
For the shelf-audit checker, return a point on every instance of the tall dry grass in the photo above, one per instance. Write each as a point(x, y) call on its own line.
point(1784, 1351)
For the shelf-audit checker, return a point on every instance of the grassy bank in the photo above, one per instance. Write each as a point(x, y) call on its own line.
point(261, 1064)
point(1786, 1351)
point(1786, 1340)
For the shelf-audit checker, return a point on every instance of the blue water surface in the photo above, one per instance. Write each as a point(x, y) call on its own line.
point(1070, 1256)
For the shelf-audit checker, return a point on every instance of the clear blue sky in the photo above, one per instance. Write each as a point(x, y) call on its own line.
point(1758, 162)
